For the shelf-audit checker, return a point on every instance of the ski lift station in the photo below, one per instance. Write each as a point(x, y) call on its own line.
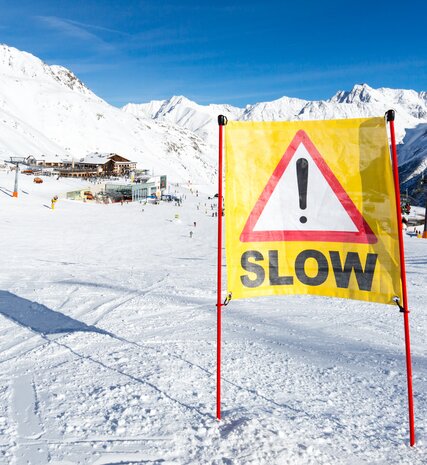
point(142, 188)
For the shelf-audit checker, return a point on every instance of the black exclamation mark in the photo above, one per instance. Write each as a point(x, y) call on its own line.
point(302, 179)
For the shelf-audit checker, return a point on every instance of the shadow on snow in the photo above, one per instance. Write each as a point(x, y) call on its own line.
point(38, 317)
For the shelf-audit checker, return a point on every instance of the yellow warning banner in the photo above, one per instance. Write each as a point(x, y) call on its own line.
point(310, 209)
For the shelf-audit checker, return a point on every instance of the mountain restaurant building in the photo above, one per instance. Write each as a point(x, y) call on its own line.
point(98, 164)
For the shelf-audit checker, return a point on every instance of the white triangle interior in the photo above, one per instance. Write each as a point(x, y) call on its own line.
point(324, 211)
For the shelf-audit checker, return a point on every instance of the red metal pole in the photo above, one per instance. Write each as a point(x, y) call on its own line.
point(390, 119)
point(222, 121)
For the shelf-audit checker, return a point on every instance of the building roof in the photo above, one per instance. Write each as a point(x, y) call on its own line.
point(49, 158)
point(96, 158)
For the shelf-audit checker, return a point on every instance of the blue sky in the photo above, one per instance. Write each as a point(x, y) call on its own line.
point(235, 52)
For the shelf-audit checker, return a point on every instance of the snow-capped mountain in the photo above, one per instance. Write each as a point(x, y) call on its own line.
point(47, 110)
point(361, 101)
point(202, 120)
point(414, 170)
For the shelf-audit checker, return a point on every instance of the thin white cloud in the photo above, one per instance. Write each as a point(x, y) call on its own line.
point(75, 30)
point(148, 39)
point(96, 27)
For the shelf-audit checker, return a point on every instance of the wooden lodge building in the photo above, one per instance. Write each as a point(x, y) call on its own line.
point(94, 164)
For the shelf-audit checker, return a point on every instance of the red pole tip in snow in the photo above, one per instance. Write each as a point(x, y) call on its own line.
point(390, 114)
point(15, 194)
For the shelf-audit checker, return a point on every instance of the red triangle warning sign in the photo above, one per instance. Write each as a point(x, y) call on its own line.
point(304, 201)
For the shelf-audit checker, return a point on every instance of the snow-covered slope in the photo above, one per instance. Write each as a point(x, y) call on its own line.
point(108, 348)
point(361, 101)
point(48, 110)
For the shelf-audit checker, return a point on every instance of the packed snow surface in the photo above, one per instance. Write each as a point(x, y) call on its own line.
point(108, 347)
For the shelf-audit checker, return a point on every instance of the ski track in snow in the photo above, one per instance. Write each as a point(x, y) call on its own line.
point(27, 447)
point(107, 350)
